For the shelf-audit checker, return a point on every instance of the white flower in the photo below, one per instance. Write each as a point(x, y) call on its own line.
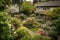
point(9, 25)
point(13, 8)
point(14, 32)
point(12, 29)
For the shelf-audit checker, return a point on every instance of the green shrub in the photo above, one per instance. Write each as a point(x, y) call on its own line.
point(22, 17)
point(53, 35)
point(46, 38)
point(27, 8)
point(37, 37)
point(31, 23)
point(54, 16)
point(5, 26)
point(16, 22)
point(40, 37)
point(23, 33)
point(33, 15)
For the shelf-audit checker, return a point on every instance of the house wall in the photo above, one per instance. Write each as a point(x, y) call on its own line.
point(43, 9)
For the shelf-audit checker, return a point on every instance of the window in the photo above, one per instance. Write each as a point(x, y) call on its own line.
point(44, 8)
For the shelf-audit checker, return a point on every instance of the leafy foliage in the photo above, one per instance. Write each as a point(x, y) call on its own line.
point(18, 2)
point(23, 33)
point(31, 23)
point(39, 37)
point(46, 38)
point(22, 17)
point(16, 22)
point(54, 16)
point(3, 3)
point(27, 8)
point(5, 26)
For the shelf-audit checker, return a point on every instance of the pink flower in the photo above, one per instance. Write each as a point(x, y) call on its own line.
point(42, 32)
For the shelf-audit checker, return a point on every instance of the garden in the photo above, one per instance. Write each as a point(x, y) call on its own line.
point(19, 22)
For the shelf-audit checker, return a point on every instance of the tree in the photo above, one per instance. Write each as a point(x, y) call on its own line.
point(18, 2)
point(27, 8)
point(3, 3)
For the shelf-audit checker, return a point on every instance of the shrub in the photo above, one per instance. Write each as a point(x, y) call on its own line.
point(46, 38)
point(15, 22)
point(40, 37)
point(54, 17)
point(22, 17)
point(5, 27)
point(53, 35)
point(27, 8)
point(23, 33)
point(37, 37)
point(42, 32)
point(31, 23)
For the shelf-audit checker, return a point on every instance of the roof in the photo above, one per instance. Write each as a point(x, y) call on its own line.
point(50, 3)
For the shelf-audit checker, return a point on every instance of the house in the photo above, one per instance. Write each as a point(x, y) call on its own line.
point(42, 7)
